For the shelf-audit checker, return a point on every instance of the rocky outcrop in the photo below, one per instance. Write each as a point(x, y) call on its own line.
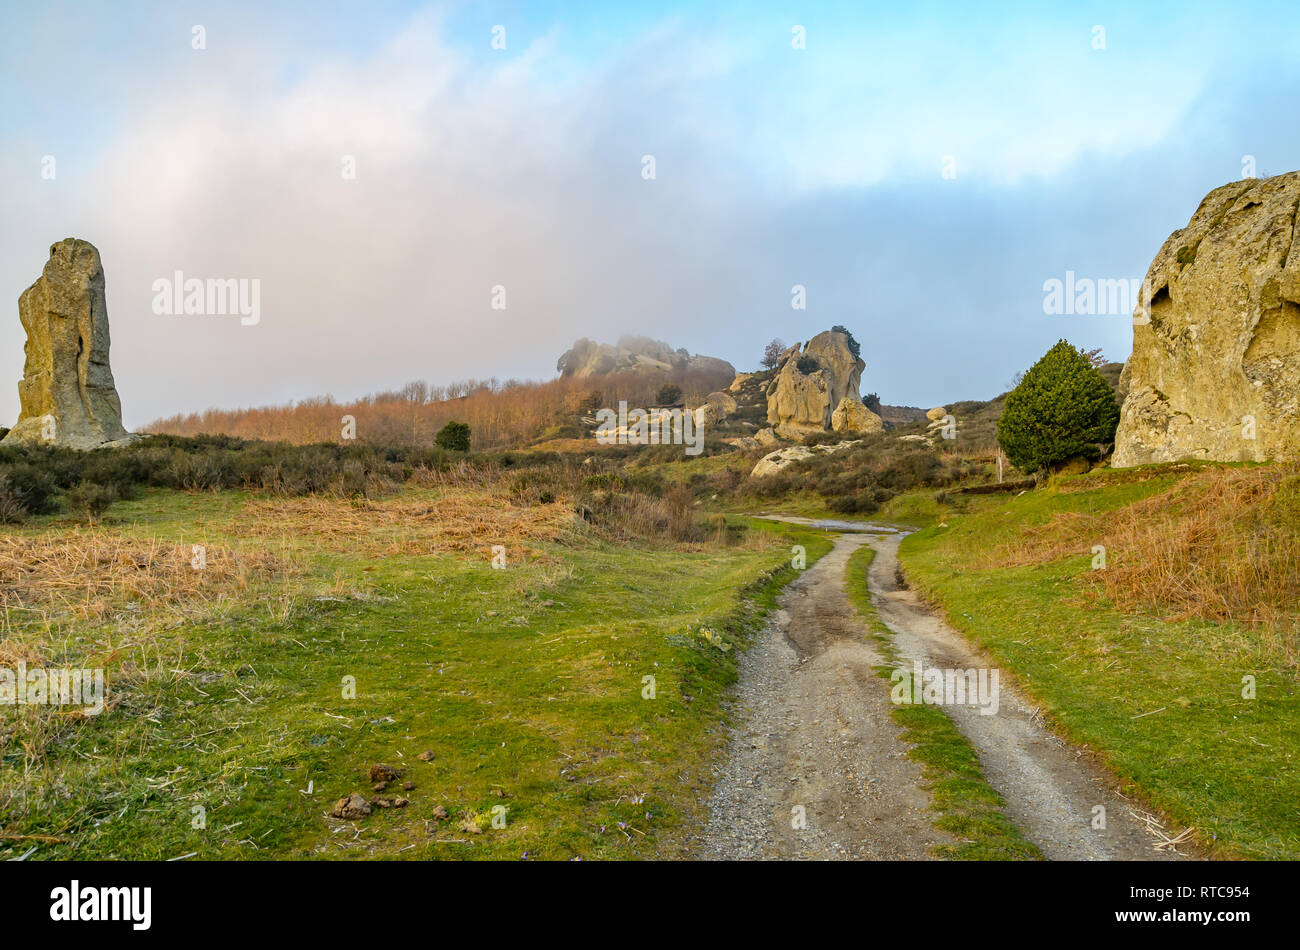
point(773, 462)
point(852, 416)
point(589, 358)
point(811, 383)
point(67, 394)
point(1215, 370)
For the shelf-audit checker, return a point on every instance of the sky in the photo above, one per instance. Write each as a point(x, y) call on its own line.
point(921, 170)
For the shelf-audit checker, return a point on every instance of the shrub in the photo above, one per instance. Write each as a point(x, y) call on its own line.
point(854, 346)
point(89, 501)
point(822, 438)
point(454, 436)
point(863, 503)
point(12, 509)
point(670, 394)
point(34, 488)
point(1062, 408)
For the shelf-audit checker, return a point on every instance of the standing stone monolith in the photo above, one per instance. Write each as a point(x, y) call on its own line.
point(67, 394)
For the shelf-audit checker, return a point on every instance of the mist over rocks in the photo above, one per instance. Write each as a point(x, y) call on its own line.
point(1215, 368)
point(589, 358)
point(67, 394)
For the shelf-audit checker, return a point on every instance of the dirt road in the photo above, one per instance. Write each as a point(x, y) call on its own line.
point(814, 739)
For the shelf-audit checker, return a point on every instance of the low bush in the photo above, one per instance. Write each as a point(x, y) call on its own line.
point(90, 501)
point(12, 509)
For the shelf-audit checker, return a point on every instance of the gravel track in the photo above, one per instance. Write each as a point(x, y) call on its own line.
point(813, 732)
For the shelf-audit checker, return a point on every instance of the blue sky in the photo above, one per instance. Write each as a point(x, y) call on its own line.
point(521, 167)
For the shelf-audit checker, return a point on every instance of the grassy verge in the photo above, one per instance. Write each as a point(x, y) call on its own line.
point(327, 636)
point(967, 806)
point(1200, 716)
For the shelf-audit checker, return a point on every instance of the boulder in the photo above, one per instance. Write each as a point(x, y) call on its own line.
point(811, 383)
point(767, 437)
point(707, 415)
point(825, 449)
point(67, 395)
point(717, 406)
point(936, 414)
point(773, 462)
point(852, 416)
point(1215, 370)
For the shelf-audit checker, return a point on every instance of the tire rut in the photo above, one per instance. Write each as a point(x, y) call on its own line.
point(1051, 788)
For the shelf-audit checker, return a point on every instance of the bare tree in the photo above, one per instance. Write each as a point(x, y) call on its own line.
point(772, 353)
point(1094, 357)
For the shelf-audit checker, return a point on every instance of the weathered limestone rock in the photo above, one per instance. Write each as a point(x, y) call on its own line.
point(937, 413)
point(1215, 370)
point(775, 461)
point(67, 394)
point(738, 383)
point(852, 416)
point(809, 385)
point(767, 437)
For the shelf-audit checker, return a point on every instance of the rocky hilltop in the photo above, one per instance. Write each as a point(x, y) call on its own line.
point(67, 394)
point(589, 358)
point(1215, 370)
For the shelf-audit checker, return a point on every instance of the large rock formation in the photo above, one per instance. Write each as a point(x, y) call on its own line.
point(811, 383)
point(1215, 370)
point(67, 393)
point(589, 358)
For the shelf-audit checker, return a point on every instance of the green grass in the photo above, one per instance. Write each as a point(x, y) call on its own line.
point(525, 683)
point(965, 805)
point(1161, 701)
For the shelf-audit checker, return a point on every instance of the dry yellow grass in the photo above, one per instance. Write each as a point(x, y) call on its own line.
point(1222, 544)
point(454, 521)
point(89, 573)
